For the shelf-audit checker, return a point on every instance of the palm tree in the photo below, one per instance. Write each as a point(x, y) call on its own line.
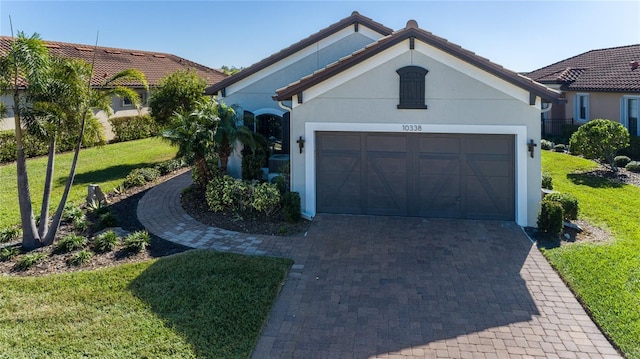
point(229, 134)
point(59, 98)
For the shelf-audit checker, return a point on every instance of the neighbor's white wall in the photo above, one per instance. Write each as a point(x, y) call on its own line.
point(456, 95)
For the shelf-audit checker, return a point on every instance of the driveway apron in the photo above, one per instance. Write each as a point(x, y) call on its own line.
point(365, 286)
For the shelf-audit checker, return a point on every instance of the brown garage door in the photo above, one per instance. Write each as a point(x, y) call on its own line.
point(423, 175)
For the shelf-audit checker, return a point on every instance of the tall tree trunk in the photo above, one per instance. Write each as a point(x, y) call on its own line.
point(30, 238)
point(225, 153)
point(43, 226)
point(55, 223)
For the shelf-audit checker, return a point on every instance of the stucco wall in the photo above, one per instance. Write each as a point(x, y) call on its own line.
point(455, 99)
point(601, 104)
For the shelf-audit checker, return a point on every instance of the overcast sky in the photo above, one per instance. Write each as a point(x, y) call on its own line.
point(519, 35)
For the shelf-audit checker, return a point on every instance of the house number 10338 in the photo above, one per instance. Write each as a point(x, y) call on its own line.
point(412, 128)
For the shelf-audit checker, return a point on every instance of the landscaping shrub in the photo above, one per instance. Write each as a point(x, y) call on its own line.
point(266, 198)
point(140, 176)
point(93, 136)
point(106, 220)
point(633, 150)
point(71, 213)
point(633, 166)
point(569, 204)
point(550, 218)
point(137, 241)
point(81, 224)
point(547, 181)
point(10, 234)
point(621, 161)
point(599, 139)
point(70, 243)
point(8, 253)
point(291, 207)
point(29, 260)
point(546, 145)
point(80, 258)
point(105, 242)
point(133, 127)
point(169, 166)
point(559, 147)
point(215, 193)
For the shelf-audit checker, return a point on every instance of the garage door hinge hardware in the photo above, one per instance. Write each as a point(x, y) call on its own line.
point(531, 145)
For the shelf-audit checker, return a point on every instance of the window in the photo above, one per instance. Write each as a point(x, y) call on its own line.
point(412, 87)
point(126, 102)
point(629, 113)
point(581, 107)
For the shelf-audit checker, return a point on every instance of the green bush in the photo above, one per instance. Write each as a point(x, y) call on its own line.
point(106, 220)
point(266, 198)
point(8, 253)
point(140, 176)
point(70, 243)
point(93, 136)
point(150, 174)
point(621, 161)
point(547, 181)
point(169, 166)
point(81, 224)
point(137, 241)
point(633, 150)
point(550, 218)
point(105, 242)
point(80, 258)
point(71, 213)
point(569, 204)
point(291, 207)
point(10, 234)
point(599, 139)
point(546, 145)
point(29, 260)
point(633, 166)
point(215, 193)
point(133, 128)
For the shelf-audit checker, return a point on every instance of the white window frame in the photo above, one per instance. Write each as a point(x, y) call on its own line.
point(127, 103)
point(624, 112)
point(576, 107)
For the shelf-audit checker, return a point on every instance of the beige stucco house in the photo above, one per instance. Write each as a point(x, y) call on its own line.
point(408, 124)
point(109, 61)
point(603, 83)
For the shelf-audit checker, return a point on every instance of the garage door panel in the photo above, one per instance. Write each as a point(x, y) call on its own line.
point(427, 175)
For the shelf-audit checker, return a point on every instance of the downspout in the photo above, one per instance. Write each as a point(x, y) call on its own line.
point(284, 107)
point(545, 110)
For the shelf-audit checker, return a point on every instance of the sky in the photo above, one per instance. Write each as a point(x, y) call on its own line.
point(519, 35)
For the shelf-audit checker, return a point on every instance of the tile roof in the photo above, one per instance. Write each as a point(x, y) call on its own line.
point(355, 18)
point(607, 70)
point(109, 61)
point(412, 31)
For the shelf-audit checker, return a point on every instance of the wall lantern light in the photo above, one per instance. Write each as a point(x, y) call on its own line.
point(300, 142)
point(531, 145)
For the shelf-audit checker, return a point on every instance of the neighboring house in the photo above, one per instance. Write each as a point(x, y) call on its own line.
point(108, 62)
point(409, 124)
point(602, 83)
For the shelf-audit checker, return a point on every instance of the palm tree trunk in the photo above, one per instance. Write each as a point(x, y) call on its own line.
point(55, 223)
point(43, 226)
point(225, 153)
point(30, 238)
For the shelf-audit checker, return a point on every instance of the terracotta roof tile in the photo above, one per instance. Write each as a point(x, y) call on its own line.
point(109, 61)
point(607, 70)
point(412, 31)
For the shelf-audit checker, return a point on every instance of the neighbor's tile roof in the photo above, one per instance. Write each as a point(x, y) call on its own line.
point(355, 18)
point(596, 70)
point(109, 61)
point(412, 31)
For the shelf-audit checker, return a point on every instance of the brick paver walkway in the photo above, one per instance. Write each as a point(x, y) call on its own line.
point(367, 286)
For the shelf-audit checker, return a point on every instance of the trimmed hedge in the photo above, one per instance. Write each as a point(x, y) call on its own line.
point(568, 201)
point(33, 147)
point(133, 128)
point(550, 218)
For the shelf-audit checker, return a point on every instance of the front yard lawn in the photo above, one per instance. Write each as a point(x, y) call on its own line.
point(106, 166)
point(606, 277)
point(198, 304)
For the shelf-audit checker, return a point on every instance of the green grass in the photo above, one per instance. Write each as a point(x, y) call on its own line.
point(199, 304)
point(106, 166)
point(606, 277)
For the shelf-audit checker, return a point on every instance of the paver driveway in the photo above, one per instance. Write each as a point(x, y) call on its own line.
point(366, 286)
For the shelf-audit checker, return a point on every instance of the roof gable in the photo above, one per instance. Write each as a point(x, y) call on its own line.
point(411, 31)
point(609, 70)
point(354, 20)
point(109, 61)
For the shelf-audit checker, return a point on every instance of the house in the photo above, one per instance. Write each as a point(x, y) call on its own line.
point(602, 83)
point(407, 124)
point(109, 61)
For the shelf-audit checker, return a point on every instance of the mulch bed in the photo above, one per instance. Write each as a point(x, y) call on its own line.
point(194, 203)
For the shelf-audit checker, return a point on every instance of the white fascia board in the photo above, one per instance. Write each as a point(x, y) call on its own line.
point(355, 71)
point(473, 72)
point(519, 132)
point(309, 50)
